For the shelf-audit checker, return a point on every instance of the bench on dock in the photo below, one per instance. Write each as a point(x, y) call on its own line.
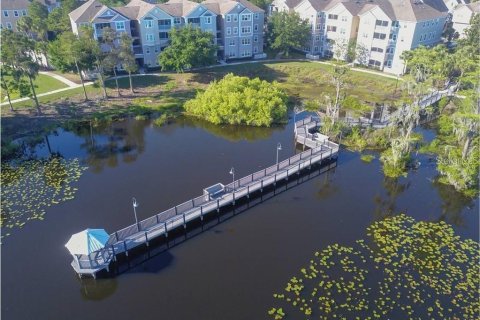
point(214, 191)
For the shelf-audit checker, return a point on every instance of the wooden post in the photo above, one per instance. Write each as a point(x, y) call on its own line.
point(261, 185)
point(146, 238)
point(184, 222)
point(157, 219)
point(233, 197)
point(298, 172)
point(193, 204)
point(248, 191)
point(275, 181)
point(218, 205)
point(116, 236)
point(201, 213)
point(125, 247)
point(166, 231)
point(176, 212)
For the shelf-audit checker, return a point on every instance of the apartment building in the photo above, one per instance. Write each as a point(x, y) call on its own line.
point(237, 26)
point(381, 29)
point(462, 15)
point(13, 10)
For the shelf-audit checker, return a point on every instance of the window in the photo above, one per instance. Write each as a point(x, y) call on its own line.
point(9, 25)
point(317, 37)
point(381, 36)
point(246, 53)
point(163, 35)
point(235, 30)
point(177, 20)
point(315, 49)
point(245, 41)
point(229, 31)
point(229, 18)
point(147, 50)
point(235, 18)
point(376, 49)
point(381, 23)
point(342, 30)
point(255, 49)
point(246, 30)
point(100, 26)
point(164, 24)
point(374, 63)
point(149, 37)
point(392, 36)
point(395, 24)
point(255, 39)
point(193, 20)
point(120, 25)
point(231, 42)
point(208, 20)
point(319, 25)
point(246, 17)
point(389, 63)
point(5, 13)
point(24, 12)
point(232, 54)
point(332, 28)
point(365, 35)
point(344, 18)
point(148, 23)
point(390, 50)
point(256, 16)
point(255, 27)
point(1, 25)
point(15, 13)
point(333, 16)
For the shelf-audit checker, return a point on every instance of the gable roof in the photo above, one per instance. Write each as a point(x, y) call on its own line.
point(87, 11)
point(225, 6)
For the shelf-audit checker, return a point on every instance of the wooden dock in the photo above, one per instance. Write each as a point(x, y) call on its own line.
point(161, 224)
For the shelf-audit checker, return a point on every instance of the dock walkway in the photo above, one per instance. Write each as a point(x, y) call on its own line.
point(135, 235)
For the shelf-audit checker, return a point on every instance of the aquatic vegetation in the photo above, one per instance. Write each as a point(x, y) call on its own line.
point(367, 158)
point(30, 187)
point(404, 269)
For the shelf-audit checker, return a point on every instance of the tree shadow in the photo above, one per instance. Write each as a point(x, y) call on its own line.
point(251, 70)
point(139, 82)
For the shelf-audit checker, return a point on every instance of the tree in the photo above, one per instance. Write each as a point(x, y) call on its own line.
point(263, 4)
point(7, 84)
point(189, 47)
point(38, 13)
point(127, 58)
point(287, 30)
point(72, 53)
point(240, 100)
point(111, 58)
point(58, 20)
point(16, 55)
point(339, 80)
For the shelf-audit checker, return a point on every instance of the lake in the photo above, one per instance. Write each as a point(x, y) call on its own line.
point(229, 271)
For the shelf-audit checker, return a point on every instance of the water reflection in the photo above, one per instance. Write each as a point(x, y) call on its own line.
point(453, 204)
point(385, 206)
point(107, 143)
point(97, 289)
point(230, 132)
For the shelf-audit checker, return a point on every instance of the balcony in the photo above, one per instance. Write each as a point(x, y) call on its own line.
point(137, 50)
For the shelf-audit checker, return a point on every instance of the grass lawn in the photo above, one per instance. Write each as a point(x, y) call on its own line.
point(302, 80)
point(42, 83)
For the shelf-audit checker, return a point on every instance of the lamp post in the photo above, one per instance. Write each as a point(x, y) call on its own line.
point(232, 172)
point(279, 147)
point(135, 205)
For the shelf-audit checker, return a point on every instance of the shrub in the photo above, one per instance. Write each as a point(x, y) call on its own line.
point(240, 100)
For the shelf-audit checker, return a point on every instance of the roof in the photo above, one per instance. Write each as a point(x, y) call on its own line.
point(225, 6)
point(143, 7)
point(87, 11)
point(129, 12)
point(403, 10)
point(14, 4)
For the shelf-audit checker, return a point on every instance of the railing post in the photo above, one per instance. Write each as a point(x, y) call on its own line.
point(193, 204)
point(298, 172)
point(113, 252)
point(261, 185)
point(218, 205)
point(233, 197)
point(146, 238)
point(125, 247)
point(158, 221)
point(176, 212)
point(184, 222)
point(248, 191)
point(166, 231)
point(116, 236)
point(275, 181)
point(201, 213)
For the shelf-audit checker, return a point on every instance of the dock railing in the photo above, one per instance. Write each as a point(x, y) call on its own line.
point(158, 224)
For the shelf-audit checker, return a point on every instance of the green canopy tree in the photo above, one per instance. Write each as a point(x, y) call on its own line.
point(189, 47)
point(287, 30)
point(58, 20)
point(127, 58)
point(16, 55)
point(111, 58)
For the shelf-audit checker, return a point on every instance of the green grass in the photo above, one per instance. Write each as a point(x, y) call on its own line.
point(301, 80)
point(42, 83)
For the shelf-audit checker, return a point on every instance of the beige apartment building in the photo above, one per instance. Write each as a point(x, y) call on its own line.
point(12, 10)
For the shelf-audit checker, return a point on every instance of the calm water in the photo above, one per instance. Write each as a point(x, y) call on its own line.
point(227, 272)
